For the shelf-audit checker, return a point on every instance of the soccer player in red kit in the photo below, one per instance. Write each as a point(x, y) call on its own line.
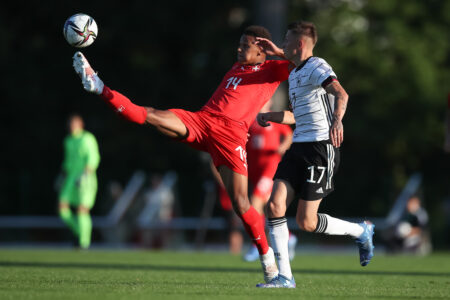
point(220, 127)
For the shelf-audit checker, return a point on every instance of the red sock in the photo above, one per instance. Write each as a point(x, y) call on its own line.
point(123, 106)
point(255, 229)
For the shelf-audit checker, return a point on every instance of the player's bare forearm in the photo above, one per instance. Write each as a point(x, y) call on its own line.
point(341, 99)
point(270, 48)
point(282, 117)
point(288, 118)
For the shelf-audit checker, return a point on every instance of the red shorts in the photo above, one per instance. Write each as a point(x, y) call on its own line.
point(224, 139)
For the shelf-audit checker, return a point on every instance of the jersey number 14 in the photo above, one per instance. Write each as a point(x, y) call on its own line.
point(233, 81)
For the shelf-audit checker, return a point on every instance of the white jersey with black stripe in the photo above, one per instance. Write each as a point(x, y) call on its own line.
point(311, 105)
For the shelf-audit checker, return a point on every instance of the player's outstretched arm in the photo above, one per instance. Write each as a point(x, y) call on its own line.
point(270, 48)
point(282, 117)
point(341, 99)
point(93, 84)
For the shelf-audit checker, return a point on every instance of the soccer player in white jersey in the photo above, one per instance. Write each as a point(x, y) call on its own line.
point(318, 103)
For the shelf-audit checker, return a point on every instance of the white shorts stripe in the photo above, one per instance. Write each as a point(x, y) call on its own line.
point(331, 155)
point(328, 167)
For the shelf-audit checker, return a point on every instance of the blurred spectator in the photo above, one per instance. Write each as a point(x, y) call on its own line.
point(79, 180)
point(159, 200)
point(411, 234)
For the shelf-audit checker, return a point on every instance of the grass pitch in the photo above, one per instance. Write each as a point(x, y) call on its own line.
point(56, 274)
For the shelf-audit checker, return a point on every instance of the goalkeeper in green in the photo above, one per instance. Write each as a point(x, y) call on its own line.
point(79, 187)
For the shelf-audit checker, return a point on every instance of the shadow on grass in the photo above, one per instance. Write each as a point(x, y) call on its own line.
point(149, 267)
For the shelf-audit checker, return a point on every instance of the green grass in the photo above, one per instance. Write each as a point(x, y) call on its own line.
point(53, 274)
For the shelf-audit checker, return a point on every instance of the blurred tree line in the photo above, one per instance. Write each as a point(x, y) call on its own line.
point(391, 56)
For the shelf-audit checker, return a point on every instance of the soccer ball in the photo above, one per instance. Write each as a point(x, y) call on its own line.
point(80, 30)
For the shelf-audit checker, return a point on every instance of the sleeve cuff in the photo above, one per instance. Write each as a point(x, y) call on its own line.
point(329, 80)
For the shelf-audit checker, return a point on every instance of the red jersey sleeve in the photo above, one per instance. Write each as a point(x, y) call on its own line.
point(281, 69)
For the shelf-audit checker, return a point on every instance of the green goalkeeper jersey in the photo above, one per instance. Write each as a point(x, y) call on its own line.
point(80, 152)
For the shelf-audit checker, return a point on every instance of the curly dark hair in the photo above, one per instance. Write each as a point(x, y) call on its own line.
point(258, 31)
point(304, 28)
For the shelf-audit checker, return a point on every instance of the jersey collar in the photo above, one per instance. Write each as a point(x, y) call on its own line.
point(303, 64)
point(255, 67)
point(77, 134)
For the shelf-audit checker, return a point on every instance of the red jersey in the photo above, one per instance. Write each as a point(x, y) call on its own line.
point(266, 139)
point(262, 149)
point(246, 88)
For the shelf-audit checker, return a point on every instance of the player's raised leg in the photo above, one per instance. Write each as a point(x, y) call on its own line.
point(163, 120)
point(237, 187)
point(310, 220)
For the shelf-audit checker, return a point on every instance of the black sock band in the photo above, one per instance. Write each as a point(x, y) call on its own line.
point(275, 222)
point(322, 223)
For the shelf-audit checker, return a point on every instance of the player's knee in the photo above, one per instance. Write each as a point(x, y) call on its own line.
point(63, 206)
point(275, 209)
point(83, 209)
point(306, 224)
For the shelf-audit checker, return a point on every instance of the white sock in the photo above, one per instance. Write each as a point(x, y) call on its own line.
point(269, 265)
point(279, 237)
point(333, 226)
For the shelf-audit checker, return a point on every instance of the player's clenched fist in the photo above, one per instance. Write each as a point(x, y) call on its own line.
point(262, 119)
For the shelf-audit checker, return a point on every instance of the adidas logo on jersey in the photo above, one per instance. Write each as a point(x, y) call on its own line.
point(319, 190)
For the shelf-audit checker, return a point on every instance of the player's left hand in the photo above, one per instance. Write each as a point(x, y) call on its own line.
point(337, 133)
point(262, 119)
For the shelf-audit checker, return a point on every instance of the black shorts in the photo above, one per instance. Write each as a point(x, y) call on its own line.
point(310, 169)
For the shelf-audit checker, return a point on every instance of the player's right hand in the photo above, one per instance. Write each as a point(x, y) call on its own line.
point(269, 47)
point(262, 119)
point(90, 80)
